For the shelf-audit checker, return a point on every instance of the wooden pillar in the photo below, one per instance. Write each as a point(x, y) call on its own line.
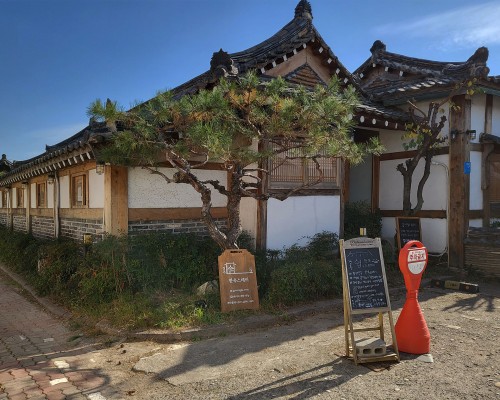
point(485, 165)
point(375, 183)
point(344, 178)
point(458, 221)
point(28, 207)
point(116, 200)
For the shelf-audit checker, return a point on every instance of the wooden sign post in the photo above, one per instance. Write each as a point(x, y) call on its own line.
point(365, 291)
point(238, 281)
point(408, 228)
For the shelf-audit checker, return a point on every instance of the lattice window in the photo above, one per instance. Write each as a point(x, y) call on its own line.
point(286, 170)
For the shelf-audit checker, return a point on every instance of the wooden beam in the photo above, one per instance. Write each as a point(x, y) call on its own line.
point(403, 155)
point(433, 214)
point(485, 163)
point(81, 213)
point(115, 200)
point(164, 214)
point(375, 183)
point(458, 220)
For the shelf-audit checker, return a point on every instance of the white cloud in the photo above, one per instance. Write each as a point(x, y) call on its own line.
point(471, 26)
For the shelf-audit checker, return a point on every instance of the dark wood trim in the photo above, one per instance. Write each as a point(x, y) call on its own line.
point(42, 212)
point(476, 214)
point(375, 183)
point(81, 213)
point(458, 220)
point(488, 114)
point(18, 211)
point(308, 192)
point(434, 214)
point(476, 147)
point(164, 214)
point(403, 155)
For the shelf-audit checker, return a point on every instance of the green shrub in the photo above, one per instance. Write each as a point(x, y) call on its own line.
point(359, 215)
point(302, 273)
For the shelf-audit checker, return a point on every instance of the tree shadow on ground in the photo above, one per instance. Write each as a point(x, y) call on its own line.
point(305, 384)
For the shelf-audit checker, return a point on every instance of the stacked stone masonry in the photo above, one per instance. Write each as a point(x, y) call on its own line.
point(196, 226)
point(19, 222)
point(42, 227)
point(75, 228)
point(3, 219)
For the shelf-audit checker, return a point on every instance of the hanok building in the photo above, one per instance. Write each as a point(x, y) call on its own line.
point(64, 192)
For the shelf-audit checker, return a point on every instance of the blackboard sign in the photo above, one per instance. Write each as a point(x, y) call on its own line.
point(365, 275)
point(408, 228)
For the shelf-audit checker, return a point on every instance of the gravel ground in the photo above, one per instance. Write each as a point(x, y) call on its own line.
point(304, 359)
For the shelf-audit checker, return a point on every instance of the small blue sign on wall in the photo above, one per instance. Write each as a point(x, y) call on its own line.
point(467, 168)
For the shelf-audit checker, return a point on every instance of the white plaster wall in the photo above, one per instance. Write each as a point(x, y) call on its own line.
point(33, 195)
point(478, 105)
point(495, 118)
point(146, 190)
point(248, 215)
point(50, 195)
point(292, 220)
point(434, 233)
point(14, 197)
point(435, 190)
point(64, 191)
point(96, 190)
point(475, 223)
point(391, 140)
point(476, 194)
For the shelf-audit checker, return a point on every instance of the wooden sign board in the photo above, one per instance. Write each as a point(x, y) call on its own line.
point(365, 291)
point(238, 281)
point(408, 228)
point(365, 275)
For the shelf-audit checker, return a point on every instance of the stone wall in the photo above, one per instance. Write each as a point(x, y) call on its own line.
point(42, 227)
point(3, 219)
point(19, 222)
point(173, 226)
point(75, 228)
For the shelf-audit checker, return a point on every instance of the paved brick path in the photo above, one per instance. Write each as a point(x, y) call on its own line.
point(37, 358)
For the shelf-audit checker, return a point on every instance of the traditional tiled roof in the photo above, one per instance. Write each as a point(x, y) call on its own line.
point(5, 165)
point(395, 78)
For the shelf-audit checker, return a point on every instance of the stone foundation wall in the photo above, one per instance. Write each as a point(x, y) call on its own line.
point(173, 226)
point(3, 219)
point(75, 228)
point(19, 222)
point(42, 227)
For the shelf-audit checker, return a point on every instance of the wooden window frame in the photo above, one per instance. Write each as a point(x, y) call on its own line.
point(304, 173)
point(19, 196)
point(40, 204)
point(85, 201)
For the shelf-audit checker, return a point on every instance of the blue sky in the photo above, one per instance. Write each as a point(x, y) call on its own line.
point(57, 56)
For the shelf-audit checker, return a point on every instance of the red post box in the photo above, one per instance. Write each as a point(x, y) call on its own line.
point(411, 329)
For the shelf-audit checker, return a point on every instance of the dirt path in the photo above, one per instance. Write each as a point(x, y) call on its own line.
point(301, 360)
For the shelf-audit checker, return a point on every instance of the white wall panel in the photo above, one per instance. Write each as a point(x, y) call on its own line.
point(292, 220)
point(146, 190)
point(96, 190)
point(64, 191)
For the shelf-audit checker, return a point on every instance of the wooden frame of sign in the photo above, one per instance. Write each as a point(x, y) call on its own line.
point(365, 291)
point(412, 230)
